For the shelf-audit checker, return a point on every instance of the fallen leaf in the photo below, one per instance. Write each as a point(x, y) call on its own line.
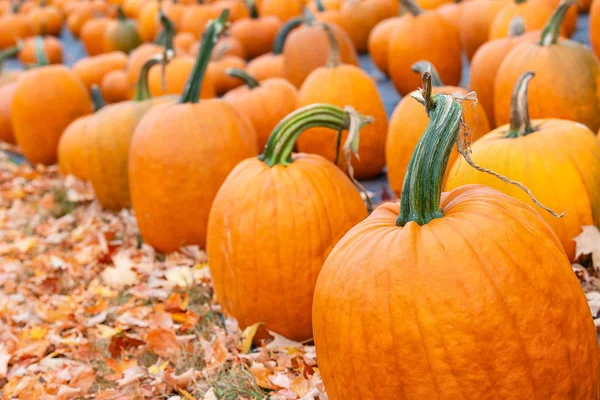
point(588, 242)
point(122, 342)
point(4, 359)
point(248, 337)
point(121, 275)
point(161, 337)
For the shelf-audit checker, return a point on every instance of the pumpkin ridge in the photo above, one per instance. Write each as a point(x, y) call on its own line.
point(501, 301)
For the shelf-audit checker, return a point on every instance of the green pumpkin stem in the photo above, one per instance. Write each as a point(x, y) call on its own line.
point(121, 14)
point(517, 27)
point(248, 79)
point(334, 59)
point(215, 29)
point(278, 150)
point(166, 35)
point(551, 31)
point(142, 90)
point(320, 6)
point(520, 123)
point(412, 7)
point(41, 57)
point(97, 98)
point(252, 9)
point(10, 52)
point(284, 32)
point(422, 189)
point(423, 66)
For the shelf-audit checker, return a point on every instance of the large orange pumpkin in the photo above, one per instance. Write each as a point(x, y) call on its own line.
point(256, 33)
point(441, 296)
point(431, 38)
point(279, 216)
point(341, 84)
point(542, 154)
point(46, 100)
point(568, 75)
point(409, 120)
point(180, 155)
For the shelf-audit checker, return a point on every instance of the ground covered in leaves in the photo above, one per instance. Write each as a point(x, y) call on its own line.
point(88, 311)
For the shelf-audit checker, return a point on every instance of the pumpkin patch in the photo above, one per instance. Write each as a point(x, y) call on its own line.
point(300, 199)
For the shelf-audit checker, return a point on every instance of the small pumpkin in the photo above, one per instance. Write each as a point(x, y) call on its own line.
point(409, 120)
point(342, 84)
point(114, 86)
point(443, 284)
point(255, 33)
point(432, 38)
point(360, 17)
point(195, 18)
point(264, 103)
point(284, 10)
point(543, 155)
point(52, 47)
point(92, 35)
point(237, 9)
point(46, 20)
point(180, 155)
point(121, 35)
point(7, 92)
point(172, 78)
point(267, 66)
point(329, 14)
point(46, 100)
point(595, 27)
point(568, 74)
point(92, 70)
point(475, 18)
point(184, 41)
point(379, 42)
point(217, 69)
point(147, 22)
point(14, 26)
point(270, 210)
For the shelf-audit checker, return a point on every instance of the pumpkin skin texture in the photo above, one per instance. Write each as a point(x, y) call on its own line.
point(73, 151)
point(92, 70)
point(475, 20)
point(114, 87)
point(379, 42)
point(346, 85)
point(407, 124)
point(433, 39)
point(267, 66)
point(256, 34)
point(306, 49)
point(361, 16)
point(324, 206)
point(52, 48)
point(561, 152)
point(39, 116)
point(444, 335)
point(171, 189)
point(92, 36)
point(6, 95)
point(264, 105)
point(566, 84)
point(595, 27)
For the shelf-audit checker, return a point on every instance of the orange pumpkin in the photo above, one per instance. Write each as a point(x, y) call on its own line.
point(14, 26)
point(409, 120)
point(284, 10)
point(147, 22)
point(217, 69)
point(176, 75)
point(320, 205)
point(475, 20)
point(264, 103)
point(541, 154)
point(92, 35)
point(487, 61)
point(73, 154)
point(195, 18)
point(114, 86)
point(121, 35)
point(52, 48)
point(340, 84)
point(256, 34)
point(184, 41)
point(330, 15)
point(568, 74)
point(443, 284)
point(7, 92)
point(266, 67)
point(46, 20)
point(92, 70)
point(46, 100)
point(173, 186)
point(237, 9)
point(432, 38)
point(360, 17)
point(137, 59)
point(379, 42)
point(595, 26)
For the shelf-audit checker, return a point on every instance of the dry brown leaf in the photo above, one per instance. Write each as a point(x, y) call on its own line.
point(588, 242)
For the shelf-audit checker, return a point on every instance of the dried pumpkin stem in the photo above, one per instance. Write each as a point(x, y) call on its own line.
point(517, 27)
point(97, 98)
point(423, 66)
point(520, 123)
point(278, 150)
point(412, 7)
point(284, 32)
point(334, 59)
point(248, 79)
point(215, 29)
point(551, 31)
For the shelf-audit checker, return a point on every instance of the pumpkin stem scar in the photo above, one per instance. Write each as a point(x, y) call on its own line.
point(420, 67)
point(551, 31)
point(520, 123)
point(516, 27)
point(244, 76)
point(412, 7)
point(214, 30)
point(334, 59)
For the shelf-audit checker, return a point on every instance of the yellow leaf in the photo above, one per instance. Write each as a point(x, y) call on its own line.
point(154, 369)
point(185, 394)
point(248, 337)
point(106, 332)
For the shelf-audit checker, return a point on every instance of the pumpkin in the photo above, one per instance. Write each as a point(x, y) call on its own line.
point(341, 84)
point(256, 34)
point(13, 27)
point(475, 20)
point(284, 10)
point(180, 154)
point(195, 18)
point(264, 103)
point(92, 35)
point(595, 26)
point(46, 20)
point(84, 12)
point(451, 12)
point(176, 75)
point(184, 41)
point(542, 154)
point(535, 13)
point(409, 120)
point(147, 22)
point(237, 9)
point(121, 35)
point(379, 42)
point(319, 205)
point(7, 92)
point(360, 17)
point(583, 6)
point(487, 61)
point(567, 72)
point(217, 69)
point(109, 141)
point(432, 38)
point(306, 49)
point(9, 76)
point(52, 48)
point(39, 116)
point(226, 46)
point(432, 4)
point(114, 86)
point(267, 66)
point(330, 15)
point(432, 298)
point(92, 70)
point(137, 59)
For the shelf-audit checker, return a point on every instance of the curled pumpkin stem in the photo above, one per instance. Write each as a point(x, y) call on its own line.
point(334, 59)
point(551, 31)
point(244, 76)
